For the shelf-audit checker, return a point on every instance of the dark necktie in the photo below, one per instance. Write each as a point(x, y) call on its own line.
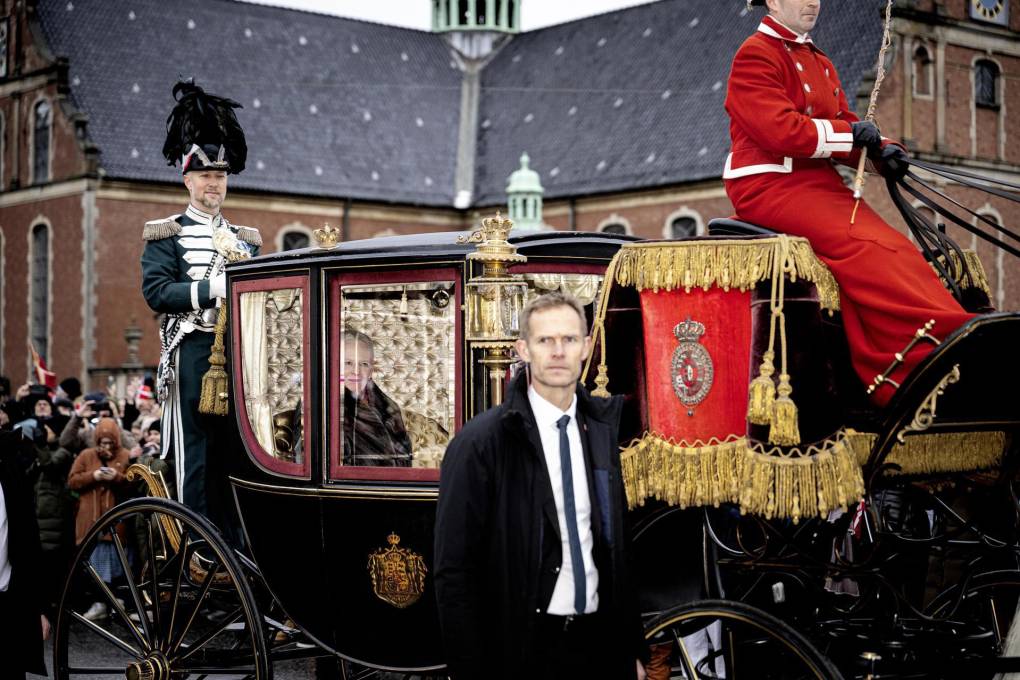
point(570, 513)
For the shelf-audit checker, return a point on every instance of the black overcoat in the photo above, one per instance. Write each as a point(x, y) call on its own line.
point(498, 549)
point(21, 644)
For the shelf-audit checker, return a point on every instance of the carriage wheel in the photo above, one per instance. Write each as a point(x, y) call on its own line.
point(180, 607)
point(715, 639)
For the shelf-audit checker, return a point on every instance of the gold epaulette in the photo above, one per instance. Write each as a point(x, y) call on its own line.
point(160, 229)
point(250, 235)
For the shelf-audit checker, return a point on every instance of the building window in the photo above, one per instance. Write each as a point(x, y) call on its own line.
point(293, 240)
point(683, 223)
point(41, 142)
point(3, 140)
point(3, 47)
point(986, 84)
point(923, 72)
point(683, 227)
point(3, 291)
point(39, 303)
point(613, 228)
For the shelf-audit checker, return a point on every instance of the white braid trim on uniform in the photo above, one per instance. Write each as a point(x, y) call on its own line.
point(173, 429)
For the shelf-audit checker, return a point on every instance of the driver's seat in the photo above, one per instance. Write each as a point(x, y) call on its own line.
point(725, 226)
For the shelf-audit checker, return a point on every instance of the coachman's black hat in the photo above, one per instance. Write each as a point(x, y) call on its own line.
point(202, 132)
point(755, 3)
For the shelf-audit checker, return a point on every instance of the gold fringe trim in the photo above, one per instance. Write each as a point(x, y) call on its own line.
point(926, 454)
point(977, 271)
point(727, 264)
point(250, 235)
point(161, 229)
point(774, 483)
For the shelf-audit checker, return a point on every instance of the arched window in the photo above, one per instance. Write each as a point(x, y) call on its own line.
point(293, 240)
point(683, 227)
point(986, 84)
point(39, 291)
point(3, 47)
point(683, 223)
point(923, 75)
point(3, 292)
point(43, 123)
point(614, 224)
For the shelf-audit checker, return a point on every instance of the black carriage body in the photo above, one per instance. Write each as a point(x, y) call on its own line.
point(313, 524)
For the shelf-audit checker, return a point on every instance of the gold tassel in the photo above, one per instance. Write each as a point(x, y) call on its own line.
point(214, 382)
point(785, 429)
point(762, 392)
point(601, 383)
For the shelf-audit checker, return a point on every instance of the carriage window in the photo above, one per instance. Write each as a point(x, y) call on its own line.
point(397, 370)
point(272, 339)
point(585, 287)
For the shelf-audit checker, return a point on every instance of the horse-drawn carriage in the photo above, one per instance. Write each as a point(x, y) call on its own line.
point(335, 558)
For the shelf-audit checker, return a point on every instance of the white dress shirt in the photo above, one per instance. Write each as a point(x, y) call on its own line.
point(5, 564)
point(546, 415)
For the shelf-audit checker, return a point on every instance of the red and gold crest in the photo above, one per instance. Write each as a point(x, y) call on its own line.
point(692, 365)
point(398, 574)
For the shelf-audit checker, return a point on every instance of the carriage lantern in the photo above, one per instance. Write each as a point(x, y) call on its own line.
point(494, 301)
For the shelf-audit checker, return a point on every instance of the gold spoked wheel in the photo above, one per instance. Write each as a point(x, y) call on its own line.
point(144, 603)
point(720, 639)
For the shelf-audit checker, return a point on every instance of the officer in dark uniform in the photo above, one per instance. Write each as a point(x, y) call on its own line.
point(182, 278)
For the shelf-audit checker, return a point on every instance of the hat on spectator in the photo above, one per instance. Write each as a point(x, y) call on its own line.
point(144, 392)
point(70, 387)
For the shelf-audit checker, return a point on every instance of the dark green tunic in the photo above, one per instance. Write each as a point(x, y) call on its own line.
point(177, 263)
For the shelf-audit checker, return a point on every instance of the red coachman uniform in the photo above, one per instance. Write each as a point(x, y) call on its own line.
point(789, 120)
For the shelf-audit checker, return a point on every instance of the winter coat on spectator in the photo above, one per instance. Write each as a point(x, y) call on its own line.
point(54, 504)
point(96, 497)
point(76, 439)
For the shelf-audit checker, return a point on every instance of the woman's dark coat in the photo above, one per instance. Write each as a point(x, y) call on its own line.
point(498, 548)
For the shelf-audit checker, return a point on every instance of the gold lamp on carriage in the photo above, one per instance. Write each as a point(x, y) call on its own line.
point(494, 301)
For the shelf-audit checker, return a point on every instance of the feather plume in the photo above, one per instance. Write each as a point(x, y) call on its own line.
point(203, 119)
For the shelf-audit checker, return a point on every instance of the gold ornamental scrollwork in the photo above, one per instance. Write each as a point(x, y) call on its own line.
point(398, 574)
point(925, 414)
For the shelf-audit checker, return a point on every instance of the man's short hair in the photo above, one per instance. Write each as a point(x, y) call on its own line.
point(550, 301)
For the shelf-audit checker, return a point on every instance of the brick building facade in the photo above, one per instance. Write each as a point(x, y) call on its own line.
point(79, 180)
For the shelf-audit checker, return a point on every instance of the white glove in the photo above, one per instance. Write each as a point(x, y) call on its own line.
point(218, 286)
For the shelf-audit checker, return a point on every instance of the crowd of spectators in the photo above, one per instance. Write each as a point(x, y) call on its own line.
point(82, 444)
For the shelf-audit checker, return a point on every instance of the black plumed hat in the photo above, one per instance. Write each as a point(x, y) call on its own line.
point(202, 132)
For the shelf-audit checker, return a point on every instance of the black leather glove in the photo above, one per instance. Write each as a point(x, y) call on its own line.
point(867, 136)
point(893, 162)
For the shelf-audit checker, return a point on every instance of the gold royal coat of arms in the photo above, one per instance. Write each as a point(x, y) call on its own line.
point(398, 574)
point(692, 369)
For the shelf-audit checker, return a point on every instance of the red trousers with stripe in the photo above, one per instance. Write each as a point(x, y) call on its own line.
point(887, 289)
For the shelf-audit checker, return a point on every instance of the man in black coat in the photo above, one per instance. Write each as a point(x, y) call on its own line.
point(22, 623)
point(530, 571)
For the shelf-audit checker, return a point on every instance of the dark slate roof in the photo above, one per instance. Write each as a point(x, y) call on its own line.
point(634, 98)
point(624, 100)
point(370, 85)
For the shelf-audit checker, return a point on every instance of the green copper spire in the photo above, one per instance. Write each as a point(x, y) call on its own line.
point(498, 16)
point(524, 194)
